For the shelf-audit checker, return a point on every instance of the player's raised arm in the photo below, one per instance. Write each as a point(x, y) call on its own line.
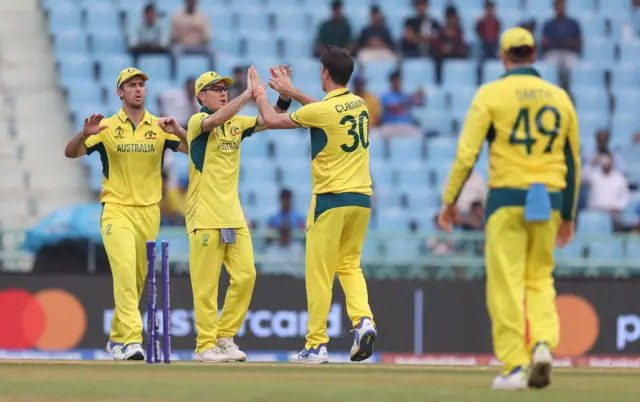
point(171, 126)
point(76, 146)
point(474, 133)
point(227, 111)
point(268, 115)
point(280, 81)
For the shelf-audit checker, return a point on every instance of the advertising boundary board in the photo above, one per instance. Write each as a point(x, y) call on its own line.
point(431, 318)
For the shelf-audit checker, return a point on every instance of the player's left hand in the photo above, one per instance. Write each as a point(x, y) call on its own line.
point(447, 217)
point(280, 80)
point(169, 125)
point(256, 82)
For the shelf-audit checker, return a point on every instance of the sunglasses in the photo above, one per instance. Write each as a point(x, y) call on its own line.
point(216, 89)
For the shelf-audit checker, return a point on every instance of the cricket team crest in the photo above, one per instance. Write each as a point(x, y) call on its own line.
point(205, 240)
point(150, 135)
point(119, 133)
point(235, 130)
point(107, 229)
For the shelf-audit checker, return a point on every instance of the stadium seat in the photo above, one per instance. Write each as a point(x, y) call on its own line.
point(441, 149)
point(103, 16)
point(71, 40)
point(169, 6)
point(438, 175)
point(629, 50)
point(403, 251)
point(624, 124)
point(606, 250)
point(624, 76)
point(258, 172)
point(575, 249)
point(548, 71)
point(110, 66)
point(420, 198)
point(586, 75)
point(459, 73)
point(260, 46)
point(434, 121)
point(156, 66)
point(379, 71)
point(227, 44)
point(107, 41)
point(599, 50)
point(297, 46)
point(392, 219)
point(626, 101)
point(386, 197)
point(492, 70)
point(508, 5)
point(594, 222)
point(614, 8)
point(411, 175)
point(418, 73)
point(75, 67)
point(296, 174)
point(381, 175)
point(191, 66)
point(64, 16)
point(461, 98)
point(252, 19)
point(590, 98)
point(592, 25)
point(406, 149)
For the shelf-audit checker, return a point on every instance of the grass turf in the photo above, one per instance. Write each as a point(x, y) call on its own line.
point(261, 382)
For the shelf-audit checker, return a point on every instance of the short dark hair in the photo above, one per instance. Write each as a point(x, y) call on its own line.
point(336, 4)
point(520, 54)
point(149, 7)
point(339, 63)
point(397, 74)
point(285, 192)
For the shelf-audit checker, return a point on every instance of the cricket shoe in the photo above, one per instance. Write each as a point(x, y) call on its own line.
point(212, 355)
point(115, 350)
point(133, 351)
point(232, 350)
point(317, 355)
point(516, 380)
point(539, 375)
point(364, 338)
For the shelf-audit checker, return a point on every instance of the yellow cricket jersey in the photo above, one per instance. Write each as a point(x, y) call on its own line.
point(339, 143)
point(132, 159)
point(212, 199)
point(532, 130)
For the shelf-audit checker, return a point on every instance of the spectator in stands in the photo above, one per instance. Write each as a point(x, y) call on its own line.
point(286, 255)
point(286, 215)
point(603, 149)
point(239, 82)
point(529, 25)
point(150, 36)
point(449, 43)
point(172, 205)
point(562, 39)
point(375, 41)
point(336, 31)
point(410, 42)
point(425, 28)
point(608, 188)
point(179, 102)
point(191, 32)
point(631, 27)
point(373, 104)
point(488, 29)
point(396, 118)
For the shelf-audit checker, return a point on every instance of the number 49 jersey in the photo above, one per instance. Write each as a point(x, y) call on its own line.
point(532, 130)
point(339, 126)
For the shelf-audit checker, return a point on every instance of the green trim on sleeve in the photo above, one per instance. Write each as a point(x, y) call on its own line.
point(171, 144)
point(569, 193)
point(295, 121)
point(104, 158)
point(319, 141)
point(197, 150)
point(249, 132)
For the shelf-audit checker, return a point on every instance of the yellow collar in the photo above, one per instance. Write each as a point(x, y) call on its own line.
point(336, 92)
point(123, 116)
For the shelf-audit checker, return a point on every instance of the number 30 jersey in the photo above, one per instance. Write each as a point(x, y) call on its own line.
point(339, 126)
point(532, 130)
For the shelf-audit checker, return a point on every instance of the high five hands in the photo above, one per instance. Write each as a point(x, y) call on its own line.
point(280, 80)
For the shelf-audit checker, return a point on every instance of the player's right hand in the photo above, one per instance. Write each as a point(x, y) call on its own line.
point(448, 217)
point(92, 124)
point(280, 80)
point(565, 233)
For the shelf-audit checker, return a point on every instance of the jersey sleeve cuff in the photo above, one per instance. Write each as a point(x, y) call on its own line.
point(296, 120)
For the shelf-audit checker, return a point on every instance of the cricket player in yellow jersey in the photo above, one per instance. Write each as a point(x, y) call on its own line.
point(216, 227)
point(532, 131)
point(341, 203)
point(131, 145)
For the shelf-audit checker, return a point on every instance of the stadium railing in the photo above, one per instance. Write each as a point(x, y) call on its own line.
point(401, 255)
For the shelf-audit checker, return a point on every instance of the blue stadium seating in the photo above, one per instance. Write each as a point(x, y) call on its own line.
point(103, 41)
point(459, 73)
point(102, 16)
point(191, 66)
point(586, 75)
point(157, 66)
point(71, 40)
point(406, 149)
point(418, 73)
point(595, 222)
point(624, 76)
point(64, 16)
point(606, 250)
point(590, 98)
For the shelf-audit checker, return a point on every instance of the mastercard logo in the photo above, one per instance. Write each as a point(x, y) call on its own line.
point(50, 319)
point(579, 326)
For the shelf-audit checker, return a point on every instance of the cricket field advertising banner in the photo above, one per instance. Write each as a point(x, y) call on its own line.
point(423, 320)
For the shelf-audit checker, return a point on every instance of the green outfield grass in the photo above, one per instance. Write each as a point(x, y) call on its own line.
point(261, 382)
